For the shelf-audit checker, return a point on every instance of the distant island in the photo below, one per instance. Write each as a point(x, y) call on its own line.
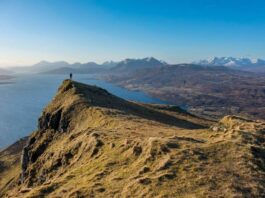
point(4, 79)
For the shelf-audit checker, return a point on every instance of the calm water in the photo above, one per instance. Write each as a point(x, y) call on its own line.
point(22, 102)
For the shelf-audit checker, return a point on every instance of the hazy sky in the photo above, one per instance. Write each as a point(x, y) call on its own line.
point(99, 30)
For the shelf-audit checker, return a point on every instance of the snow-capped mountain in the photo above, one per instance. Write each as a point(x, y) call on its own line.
point(237, 63)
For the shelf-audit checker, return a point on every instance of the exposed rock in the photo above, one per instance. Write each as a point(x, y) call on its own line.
point(24, 162)
point(137, 150)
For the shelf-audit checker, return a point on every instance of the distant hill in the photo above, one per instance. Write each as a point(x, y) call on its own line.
point(40, 67)
point(254, 65)
point(205, 90)
point(5, 72)
point(132, 65)
point(125, 66)
point(45, 66)
point(5, 76)
point(62, 67)
point(79, 68)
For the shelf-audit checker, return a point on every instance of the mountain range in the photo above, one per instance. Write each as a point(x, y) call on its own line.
point(247, 64)
point(131, 65)
point(62, 67)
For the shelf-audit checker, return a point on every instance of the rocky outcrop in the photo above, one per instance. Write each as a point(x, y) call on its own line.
point(50, 121)
point(24, 162)
point(10, 165)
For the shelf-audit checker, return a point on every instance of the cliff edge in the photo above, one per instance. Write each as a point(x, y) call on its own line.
point(90, 143)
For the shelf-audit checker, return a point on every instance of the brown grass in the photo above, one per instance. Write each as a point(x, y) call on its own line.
point(103, 146)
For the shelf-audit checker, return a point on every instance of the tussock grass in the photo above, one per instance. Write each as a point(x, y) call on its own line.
point(93, 144)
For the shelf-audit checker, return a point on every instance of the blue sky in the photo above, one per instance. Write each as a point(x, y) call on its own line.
point(99, 30)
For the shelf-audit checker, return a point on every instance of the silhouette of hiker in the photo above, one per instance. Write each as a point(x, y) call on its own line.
point(71, 76)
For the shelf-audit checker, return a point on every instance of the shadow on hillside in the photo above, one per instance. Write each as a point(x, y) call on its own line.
point(101, 98)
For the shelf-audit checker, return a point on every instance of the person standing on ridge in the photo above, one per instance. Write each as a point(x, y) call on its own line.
point(71, 76)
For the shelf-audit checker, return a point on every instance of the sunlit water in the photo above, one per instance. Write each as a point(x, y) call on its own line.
point(22, 102)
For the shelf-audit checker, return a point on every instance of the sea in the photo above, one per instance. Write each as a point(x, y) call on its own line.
point(23, 98)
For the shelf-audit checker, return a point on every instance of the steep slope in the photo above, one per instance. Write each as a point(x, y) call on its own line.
point(10, 163)
point(90, 143)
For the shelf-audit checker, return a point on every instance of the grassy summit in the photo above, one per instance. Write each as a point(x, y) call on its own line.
point(90, 143)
